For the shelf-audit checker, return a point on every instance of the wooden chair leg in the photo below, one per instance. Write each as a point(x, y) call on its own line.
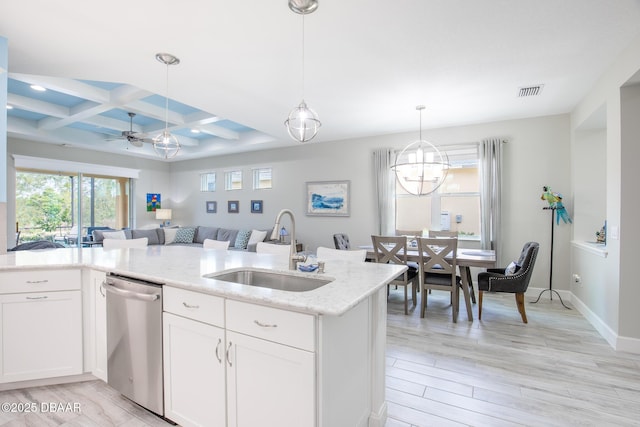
point(423, 302)
point(520, 304)
point(406, 300)
point(479, 304)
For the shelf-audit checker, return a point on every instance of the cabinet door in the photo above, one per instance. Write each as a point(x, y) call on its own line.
point(269, 384)
point(41, 335)
point(194, 372)
point(100, 322)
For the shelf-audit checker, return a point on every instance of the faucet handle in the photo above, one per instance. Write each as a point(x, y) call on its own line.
point(320, 267)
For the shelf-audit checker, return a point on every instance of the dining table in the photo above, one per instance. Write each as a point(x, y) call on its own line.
point(465, 259)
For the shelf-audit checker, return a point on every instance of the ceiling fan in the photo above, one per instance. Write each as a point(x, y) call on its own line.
point(136, 139)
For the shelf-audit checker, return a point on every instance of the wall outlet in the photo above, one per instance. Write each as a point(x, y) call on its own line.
point(577, 278)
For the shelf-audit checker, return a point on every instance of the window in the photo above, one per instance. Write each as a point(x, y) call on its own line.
point(262, 178)
point(47, 204)
point(233, 180)
point(454, 206)
point(208, 181)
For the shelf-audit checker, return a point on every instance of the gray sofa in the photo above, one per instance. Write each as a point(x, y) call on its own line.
point(190, 236)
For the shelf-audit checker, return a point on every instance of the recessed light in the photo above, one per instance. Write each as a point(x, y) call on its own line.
point(9, 107)
point(38, 88)
point(195, 131)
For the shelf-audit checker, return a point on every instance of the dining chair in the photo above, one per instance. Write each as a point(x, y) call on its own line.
point(341, 241)
point(393, 250)
point(128, 243)
point(215, 244)
point(513, 279)
point(437, 259)
point(466, 271)
point(442, 233)
point(409, 233)
point(271, 248)
point(329, 254)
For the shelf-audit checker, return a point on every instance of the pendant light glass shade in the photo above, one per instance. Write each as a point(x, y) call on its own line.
point(165, 144)
point(421, 168)
point(302, 123)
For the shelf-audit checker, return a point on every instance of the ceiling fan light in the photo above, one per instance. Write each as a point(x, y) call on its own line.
point(302, 123)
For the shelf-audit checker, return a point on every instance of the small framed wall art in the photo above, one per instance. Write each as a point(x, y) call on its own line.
point(212, 207)
point(256, 206)
point(233, 206)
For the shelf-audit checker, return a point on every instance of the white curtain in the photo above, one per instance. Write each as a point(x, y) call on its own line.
point(383, 159)
point(490, 193)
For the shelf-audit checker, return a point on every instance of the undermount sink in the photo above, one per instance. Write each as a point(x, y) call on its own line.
point(271, 280)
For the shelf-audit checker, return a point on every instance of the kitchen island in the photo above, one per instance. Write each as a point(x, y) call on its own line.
point(320, 364)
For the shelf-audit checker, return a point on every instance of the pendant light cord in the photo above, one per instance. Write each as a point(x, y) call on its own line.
point(166, 102)
point(303, 57)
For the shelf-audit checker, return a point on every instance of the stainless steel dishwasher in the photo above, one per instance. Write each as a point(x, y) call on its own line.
point(134, 340)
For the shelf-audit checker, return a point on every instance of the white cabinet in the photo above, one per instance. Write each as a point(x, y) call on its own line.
point(269, 384)
point(41, 331)
point(270, 366)
point(194, 371)
point(236, 364)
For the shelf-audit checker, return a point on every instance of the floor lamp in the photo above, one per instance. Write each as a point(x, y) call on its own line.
point(551, 290)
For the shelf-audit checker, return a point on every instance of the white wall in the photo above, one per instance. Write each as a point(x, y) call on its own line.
point(610, 300)
point(537, 154)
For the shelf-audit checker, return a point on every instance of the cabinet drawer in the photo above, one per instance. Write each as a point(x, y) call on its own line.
point(194, 305)
point(13, 282)
point(273, 324)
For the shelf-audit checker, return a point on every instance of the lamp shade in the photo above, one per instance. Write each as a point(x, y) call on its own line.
point(421, 168)
point(163, 214)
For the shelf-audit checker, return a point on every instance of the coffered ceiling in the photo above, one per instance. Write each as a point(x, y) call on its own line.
point(367, 64)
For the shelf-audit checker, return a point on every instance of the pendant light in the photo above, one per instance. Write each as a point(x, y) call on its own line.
point(303, 123)
point(421, 168)
point(165, 144)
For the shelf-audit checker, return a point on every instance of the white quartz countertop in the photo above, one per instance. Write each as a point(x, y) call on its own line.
point(184, 267)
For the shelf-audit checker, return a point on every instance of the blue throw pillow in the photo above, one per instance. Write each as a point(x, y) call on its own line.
point(242, 239)
point(184, 235)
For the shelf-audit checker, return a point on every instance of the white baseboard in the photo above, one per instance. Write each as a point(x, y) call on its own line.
point(617, 342)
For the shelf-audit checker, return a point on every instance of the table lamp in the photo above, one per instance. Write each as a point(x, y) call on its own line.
point(165, 216)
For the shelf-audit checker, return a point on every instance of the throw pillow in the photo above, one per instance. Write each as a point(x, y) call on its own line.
point(114, 235)
point(184, 235)
point(203, 233)
point(169, 235)
point(242, 239)
point(256, 236)
point(511, 269)
point(152, 235)
point(227, 234)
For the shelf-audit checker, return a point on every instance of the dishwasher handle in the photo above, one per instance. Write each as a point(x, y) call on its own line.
point(129, 294)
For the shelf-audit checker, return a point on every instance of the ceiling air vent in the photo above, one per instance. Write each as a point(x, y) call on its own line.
point(530, 91)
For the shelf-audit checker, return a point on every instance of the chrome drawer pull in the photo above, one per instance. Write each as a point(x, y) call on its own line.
point(218, 350)
point(35, 282)
point(190, 306)
point(265, 325)
point(42, 297)
point(227, 353)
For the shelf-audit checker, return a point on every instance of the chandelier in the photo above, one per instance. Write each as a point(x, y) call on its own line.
point(165, 144)
point(421, 168)
point(303, 123)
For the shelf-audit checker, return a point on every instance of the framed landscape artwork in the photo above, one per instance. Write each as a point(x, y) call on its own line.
point(212, 207)
point(328, 198)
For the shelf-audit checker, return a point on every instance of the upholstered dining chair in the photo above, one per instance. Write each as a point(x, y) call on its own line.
point(128, 243)
point(513, 279)
point(437, 259)
point(393, 250)
point(215, 244)
point(341, 241)
point(328, 254)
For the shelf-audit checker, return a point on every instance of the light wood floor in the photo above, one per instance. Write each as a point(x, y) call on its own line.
point(554, 371)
